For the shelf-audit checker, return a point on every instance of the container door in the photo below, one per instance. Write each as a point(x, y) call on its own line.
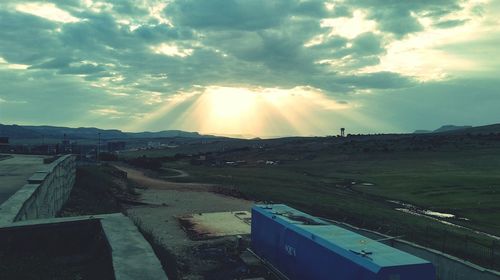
point(289, 254)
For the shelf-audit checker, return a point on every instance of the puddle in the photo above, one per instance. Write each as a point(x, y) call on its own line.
point(409, 208)
point(444, 218)
point(364, 184)
point(438, 214)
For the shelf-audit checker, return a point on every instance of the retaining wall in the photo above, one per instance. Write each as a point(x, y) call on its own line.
point(44, 194)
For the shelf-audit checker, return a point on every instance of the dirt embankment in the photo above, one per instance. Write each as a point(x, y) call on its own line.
point(163, 202)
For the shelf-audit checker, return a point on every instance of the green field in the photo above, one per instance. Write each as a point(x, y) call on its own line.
point(324, 178)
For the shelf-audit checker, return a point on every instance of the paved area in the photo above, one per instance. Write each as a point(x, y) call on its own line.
point(14, 172)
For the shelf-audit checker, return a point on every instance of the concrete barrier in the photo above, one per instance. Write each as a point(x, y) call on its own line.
point(44, 194)
point(112, 238)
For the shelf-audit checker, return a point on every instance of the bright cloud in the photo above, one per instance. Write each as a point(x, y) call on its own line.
point(350, 27)
point(171, 50)
point(424, 55)
point(48, 11)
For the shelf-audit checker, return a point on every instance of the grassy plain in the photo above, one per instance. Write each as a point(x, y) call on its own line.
point(325, 177)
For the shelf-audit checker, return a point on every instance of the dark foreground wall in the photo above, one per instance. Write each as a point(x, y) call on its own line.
point(92, 247)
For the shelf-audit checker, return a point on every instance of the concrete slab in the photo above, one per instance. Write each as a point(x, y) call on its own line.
point(210, 225)
point(15, 171)
point(38, 177)
point(133, 257)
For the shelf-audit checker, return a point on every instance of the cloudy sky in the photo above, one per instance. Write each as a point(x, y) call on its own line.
point(251, 67)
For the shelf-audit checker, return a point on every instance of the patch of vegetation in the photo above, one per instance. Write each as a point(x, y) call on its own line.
point(2, 157)
point(146, 162)
point(167, 172)
point(108, 156)
point(172, 267)
point(97, 190)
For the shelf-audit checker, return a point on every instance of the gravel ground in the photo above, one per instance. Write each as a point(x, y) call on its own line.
point(168, 200)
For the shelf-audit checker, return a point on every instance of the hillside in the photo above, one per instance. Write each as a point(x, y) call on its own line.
point(447, 128)
point(33, 132)
point(15, 131)
point(485, 129)
point(454, 129)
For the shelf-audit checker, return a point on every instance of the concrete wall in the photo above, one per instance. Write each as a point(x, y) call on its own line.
point(131, 255)
point(44, 194)
point(447, 267)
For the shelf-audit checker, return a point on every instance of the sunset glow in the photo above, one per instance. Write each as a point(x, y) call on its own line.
point(254, 68)
point(251, 112)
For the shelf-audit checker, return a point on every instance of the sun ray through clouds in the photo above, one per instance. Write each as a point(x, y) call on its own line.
point(251, 112)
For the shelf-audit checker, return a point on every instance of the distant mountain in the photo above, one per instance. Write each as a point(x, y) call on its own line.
point(29, 132)
point(453, 129)
point(164, 133)
point(76, 133)
point(421, 131)
point(16, 131)
point(484, 129)
point(446, 128)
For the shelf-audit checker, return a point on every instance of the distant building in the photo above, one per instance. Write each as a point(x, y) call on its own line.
point(116, 146)
point(154, 145)
point(4, 140)
point(4, 145)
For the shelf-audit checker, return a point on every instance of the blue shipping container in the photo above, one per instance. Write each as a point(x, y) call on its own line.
point(304, 247)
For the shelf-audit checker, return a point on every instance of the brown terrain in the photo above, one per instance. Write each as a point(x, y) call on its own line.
point(163, 203)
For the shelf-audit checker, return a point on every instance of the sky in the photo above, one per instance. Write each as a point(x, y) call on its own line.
point(251, 68)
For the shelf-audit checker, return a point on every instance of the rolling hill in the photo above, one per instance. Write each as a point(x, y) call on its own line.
point(33, 132)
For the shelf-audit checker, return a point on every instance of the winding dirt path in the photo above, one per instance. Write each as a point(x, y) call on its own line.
point(181, 174)
point(152, 183)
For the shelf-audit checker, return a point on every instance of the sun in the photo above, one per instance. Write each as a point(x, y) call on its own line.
point(227, 104)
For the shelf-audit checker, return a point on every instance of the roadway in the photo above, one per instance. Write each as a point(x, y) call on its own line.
point(15, 171)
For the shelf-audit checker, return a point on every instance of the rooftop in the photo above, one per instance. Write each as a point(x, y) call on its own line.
point(367, 252)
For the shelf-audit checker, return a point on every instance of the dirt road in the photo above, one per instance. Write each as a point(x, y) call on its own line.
point(146, 181)
point(181, 174)
point(169, 200)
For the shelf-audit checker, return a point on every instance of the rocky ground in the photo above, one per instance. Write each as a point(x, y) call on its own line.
point(162, 202)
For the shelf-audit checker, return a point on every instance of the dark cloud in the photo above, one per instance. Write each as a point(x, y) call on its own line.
point(85, 68)
point(400, 17)
point(129, 8)
point(367, 44)
point(398, 22)
point(25, 39)
point(315, 9)
point(229, 14)
point(161, 33)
